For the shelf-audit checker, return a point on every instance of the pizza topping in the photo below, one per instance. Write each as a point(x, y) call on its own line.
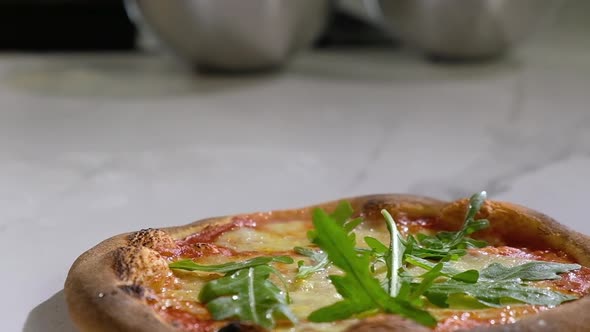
point(450, 245)
point(248, 295)
point(187, 321)
point(245, 292)
point(190, 265)
point(393, 256)
point(361, 291)
point(574, 282)
point(212, 232)
point(491, 294)
point(531, 271)
point(203, 250)
point(319, 257)
point(439, 278)
point(441, 285)
point(446, 269)
point(524, 253)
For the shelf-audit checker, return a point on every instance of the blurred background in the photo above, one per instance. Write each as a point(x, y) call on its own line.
point(121, 115)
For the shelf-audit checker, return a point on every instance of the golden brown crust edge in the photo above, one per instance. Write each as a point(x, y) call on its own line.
point(103, 294)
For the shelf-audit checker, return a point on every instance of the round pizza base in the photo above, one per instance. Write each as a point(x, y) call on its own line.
point(104, 293)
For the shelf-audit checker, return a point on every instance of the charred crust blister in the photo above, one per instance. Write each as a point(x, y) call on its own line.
point(151, 238)
point(133, 290)
point(137, 265)
point(372, 208)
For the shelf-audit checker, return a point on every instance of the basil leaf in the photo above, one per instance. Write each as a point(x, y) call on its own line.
point(190, 265)
point(247, 295)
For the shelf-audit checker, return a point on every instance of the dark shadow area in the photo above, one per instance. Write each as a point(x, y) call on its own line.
point(65, 25)
point(50, 316)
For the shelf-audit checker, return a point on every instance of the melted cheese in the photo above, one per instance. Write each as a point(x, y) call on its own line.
point(253, 239)
point(472, 262)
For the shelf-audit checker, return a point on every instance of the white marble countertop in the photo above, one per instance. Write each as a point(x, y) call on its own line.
point(96, 145)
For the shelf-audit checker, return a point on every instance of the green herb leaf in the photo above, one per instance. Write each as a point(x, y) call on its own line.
point(471, 225)
point(247, 295)
point(495, 293)
point(189, 265)
point(450, 245)
point(531, 271)
point(469, 276)
point(377, 254)
point(376, 245)
point(394, 255)
point(427, 281)
point(342, 216)
point(475, 202)
point(494, 285)
point(361, 292)
point(319, 257)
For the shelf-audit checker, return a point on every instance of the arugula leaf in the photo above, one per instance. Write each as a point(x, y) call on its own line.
point(496, 285)
point(342, 216)
point(393, 256)
point(377, 253)
point(248, 295)
point(495, 293)
point(450, 245)
point(190, 265)
point(361, 292)
point(469, 276)
point(427, 281)
point(319, 257)
point(531, 271)
point(376, 246)
point(470, 226)
point(420, 250)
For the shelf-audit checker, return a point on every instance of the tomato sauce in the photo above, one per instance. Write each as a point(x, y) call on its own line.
point(212, 232)
point(186, 321)
point(470, 319)
point(200, 249)
point(524, 253)
point(408, 226)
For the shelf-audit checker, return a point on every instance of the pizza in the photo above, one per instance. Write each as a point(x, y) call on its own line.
point(371, 263)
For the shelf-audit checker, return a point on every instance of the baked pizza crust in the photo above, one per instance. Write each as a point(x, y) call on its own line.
point(104, 287)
